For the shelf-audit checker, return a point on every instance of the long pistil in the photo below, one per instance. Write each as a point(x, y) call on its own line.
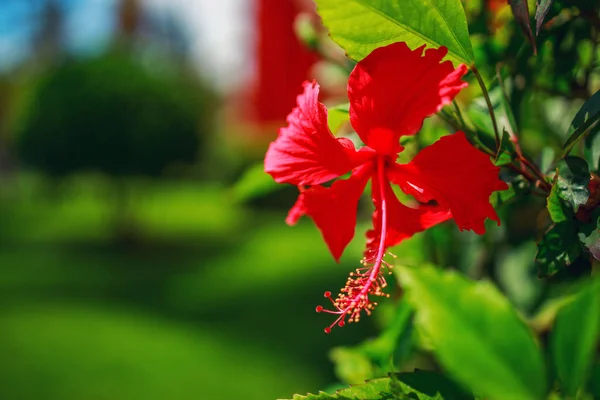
point(366, 281)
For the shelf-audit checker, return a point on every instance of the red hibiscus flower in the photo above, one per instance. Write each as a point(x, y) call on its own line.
point(391, 92)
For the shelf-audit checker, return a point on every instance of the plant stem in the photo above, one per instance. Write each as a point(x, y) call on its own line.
point(459, 113)
point(514, 138)
point(486, 96)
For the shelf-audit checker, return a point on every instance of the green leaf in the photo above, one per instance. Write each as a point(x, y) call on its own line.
point(421, 385)
point(426, 385)
point(371, 357)
point(555, 206)
point(558, 249)
point(590, 237)
point(351, 366)
point(361, 26)
point(543, 7)
point(254, 183)
point(521, 13)
point(587, 115)
point(383, 348)
point(476, 334)
point(504, 196)
point(338, 115)
point(506, 151)
point(546, 159)
point(575, 336)
point(592, 150)
point(370, 390)
point(573, 180)
point(304, 27)
point(517, 276)
point(595, 381)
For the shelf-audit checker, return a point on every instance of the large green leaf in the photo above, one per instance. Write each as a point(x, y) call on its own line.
point(360, 26)
point(418, 385)
point(575, 337)
point(476, 334)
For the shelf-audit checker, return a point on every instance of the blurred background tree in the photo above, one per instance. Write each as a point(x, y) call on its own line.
point(155, 115)
point(131, 120)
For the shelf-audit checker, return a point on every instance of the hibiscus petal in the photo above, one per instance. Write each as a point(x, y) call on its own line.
point(333, 209)
point(394, 89)
point(306, 152)
point(402, 221)
point(456, 175)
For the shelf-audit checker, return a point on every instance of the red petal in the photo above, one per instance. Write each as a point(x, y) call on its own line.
point(394, 89)
point(333, 209)
point(456, 175)
point(402, 221)
point(306, 152)
point(297, 211)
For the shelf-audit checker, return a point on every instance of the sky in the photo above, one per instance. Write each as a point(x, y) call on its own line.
point(220, 32)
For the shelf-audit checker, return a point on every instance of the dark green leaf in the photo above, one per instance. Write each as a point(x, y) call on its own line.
point(575, 336)
point(360, 26)
point(572, 181)
point(555, 206)
point(417, 385)
point(587, 115)
point(475, 333)
point(543, 6)
point(592, 149)
point(595, 381)
point(521, 14)
point(590, 237)
point(592, 243)
point(558, 249)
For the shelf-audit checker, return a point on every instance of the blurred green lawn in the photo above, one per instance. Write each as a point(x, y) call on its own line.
point(213, 300)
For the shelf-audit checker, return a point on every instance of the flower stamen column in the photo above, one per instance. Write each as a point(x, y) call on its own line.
point(354, 297)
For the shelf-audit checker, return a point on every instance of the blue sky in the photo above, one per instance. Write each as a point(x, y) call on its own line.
point(220, 32)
